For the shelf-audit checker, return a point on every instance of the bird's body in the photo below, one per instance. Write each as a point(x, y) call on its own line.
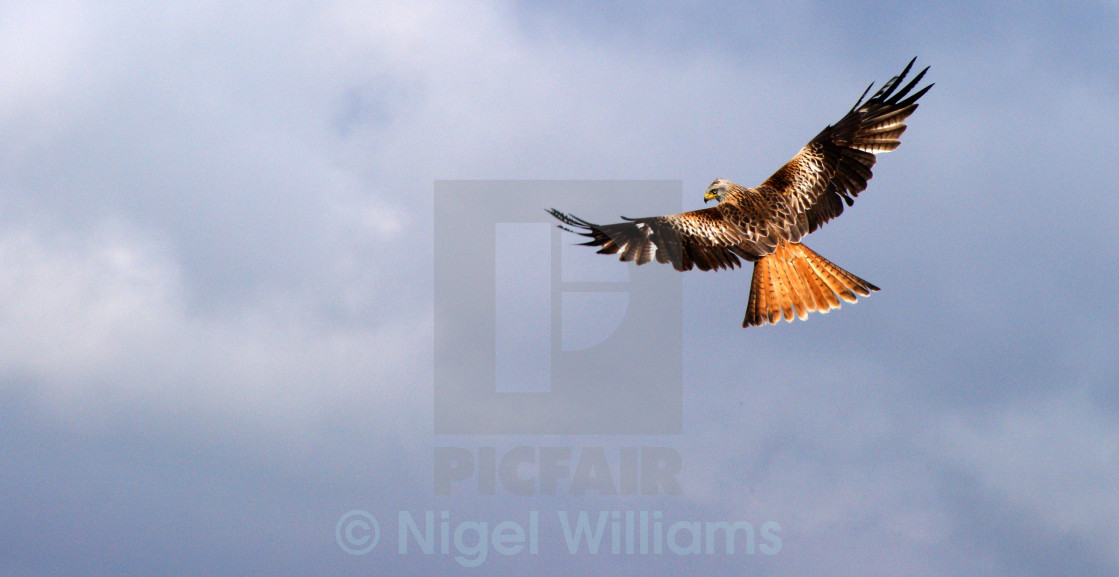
point(765, 224)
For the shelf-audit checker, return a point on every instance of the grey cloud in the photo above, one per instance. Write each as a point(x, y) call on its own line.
point(216, 236)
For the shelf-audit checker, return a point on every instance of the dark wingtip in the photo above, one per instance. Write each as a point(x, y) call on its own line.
point(907, 68)
point(860, 100)
point(570, 220)
point(891, 95)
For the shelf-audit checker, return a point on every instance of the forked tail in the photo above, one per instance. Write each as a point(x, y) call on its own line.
point(794, 280)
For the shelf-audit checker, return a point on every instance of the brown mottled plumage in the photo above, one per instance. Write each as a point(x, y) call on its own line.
point(765, 224)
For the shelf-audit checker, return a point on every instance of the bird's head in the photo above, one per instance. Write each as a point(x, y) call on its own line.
point(718, 190)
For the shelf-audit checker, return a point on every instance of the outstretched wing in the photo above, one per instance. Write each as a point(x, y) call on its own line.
point(701, 238)
point(835, 166)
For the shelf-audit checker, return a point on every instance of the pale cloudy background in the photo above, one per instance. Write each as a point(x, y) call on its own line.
point(216, 277)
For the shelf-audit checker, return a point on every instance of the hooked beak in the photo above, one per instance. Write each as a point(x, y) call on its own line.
point(708, 197)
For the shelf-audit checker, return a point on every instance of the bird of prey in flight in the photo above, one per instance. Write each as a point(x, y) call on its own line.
point(765, 224)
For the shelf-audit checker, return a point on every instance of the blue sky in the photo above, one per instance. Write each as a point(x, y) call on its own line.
point(216, 278)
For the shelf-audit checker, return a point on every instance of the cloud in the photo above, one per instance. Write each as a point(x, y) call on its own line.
point(216, 248)
point(179, 231)
point(1053, 456)
point(100, 322)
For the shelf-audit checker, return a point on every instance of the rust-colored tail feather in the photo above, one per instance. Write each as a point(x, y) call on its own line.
point(795, 281)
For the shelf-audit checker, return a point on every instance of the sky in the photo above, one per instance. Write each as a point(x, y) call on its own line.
point(219, 316)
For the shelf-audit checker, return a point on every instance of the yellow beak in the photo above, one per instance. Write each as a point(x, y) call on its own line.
point(709, 196)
